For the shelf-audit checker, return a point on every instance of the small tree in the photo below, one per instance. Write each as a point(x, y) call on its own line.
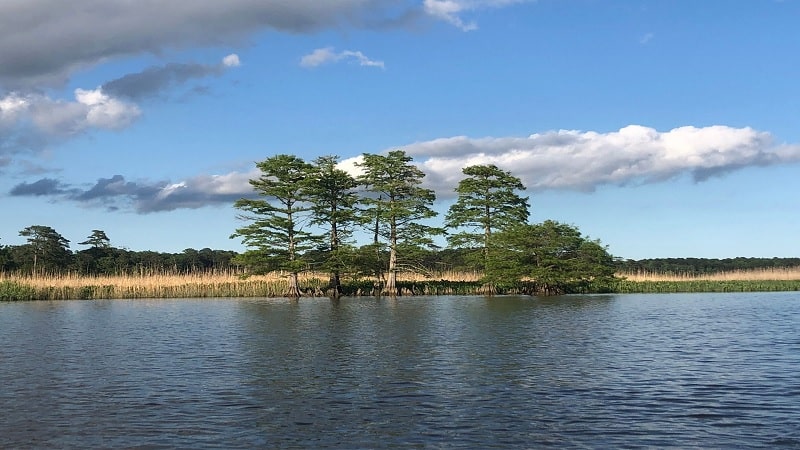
point(5, 258)
point(395, 205)
point(555, 257)
point(98, 239)
point(48, 249)
point(275, 236)
point(332, 193)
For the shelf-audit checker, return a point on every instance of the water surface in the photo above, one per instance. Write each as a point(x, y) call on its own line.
point(693, 370)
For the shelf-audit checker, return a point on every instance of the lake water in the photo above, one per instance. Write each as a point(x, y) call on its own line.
point(604, 371)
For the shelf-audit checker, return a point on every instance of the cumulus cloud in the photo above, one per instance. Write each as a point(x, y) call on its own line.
point(578, 160)
point(37, 113)
point(327, 55)
point(231, 60)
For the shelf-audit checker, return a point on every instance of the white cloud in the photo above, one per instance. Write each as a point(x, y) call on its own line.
point(11, 106)
point(327, 55)
point(105, 111)
point(564, 159)
point(450, 10)
point(231, 60)
point(578, 160)
point(56, 117)
point(646, 38)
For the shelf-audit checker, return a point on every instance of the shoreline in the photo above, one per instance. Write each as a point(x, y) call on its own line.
point(84, 289)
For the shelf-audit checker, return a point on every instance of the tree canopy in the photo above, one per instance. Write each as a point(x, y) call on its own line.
point(47, 248)
point(333, 197)
point(488, 201)
point(397, 204)
point(554, 257)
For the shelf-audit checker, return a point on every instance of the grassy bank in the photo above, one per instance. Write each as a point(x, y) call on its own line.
point(638, 287)
point(757, 280)
point(162, 285)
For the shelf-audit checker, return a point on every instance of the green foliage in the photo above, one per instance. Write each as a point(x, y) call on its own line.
point(623, 286)
point(275, 234)
point(555, 256)
point(12, 291)
point(98, 239)
point(396, 203)
point(46, 249)
point(332, 193)
point(487, 202)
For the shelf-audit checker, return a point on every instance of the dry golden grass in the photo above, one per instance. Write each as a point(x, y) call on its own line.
point(767, 274)
point(162, 284)
point(149, 281)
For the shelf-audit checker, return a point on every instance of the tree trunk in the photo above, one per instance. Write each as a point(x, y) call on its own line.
point(293, 291)
point(378, 268)
point(391, 283)
point(335, 283)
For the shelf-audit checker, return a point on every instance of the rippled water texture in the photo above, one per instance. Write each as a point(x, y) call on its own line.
point(711, 370)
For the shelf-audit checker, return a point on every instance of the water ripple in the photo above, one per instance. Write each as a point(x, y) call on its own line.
point(633, 371)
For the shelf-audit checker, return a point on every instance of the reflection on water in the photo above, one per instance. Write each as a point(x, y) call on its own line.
point(589, 371)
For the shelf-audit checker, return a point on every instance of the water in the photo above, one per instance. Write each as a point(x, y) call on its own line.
point(620, 371)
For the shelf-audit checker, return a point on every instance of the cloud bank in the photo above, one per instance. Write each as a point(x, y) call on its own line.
point(565, 160)
point(583, 161)
point(116, 192)
point(43, 42)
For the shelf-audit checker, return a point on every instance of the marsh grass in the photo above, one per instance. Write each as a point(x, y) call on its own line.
point(149, 284)
point(755, 280)
point(765, 274)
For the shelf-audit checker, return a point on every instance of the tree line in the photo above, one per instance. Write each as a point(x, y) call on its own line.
point(48, 252)
point(702, 266)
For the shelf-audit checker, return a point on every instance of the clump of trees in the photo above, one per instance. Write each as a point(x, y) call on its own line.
point(305, 213)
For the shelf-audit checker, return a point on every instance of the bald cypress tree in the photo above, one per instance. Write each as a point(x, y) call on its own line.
point(276, 236)
point(333, 196)
point(396, 205)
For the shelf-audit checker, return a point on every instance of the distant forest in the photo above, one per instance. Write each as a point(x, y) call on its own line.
point(104, 259)
point(702, 266)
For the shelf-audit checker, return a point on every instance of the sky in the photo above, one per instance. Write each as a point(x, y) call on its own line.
point(663, 128)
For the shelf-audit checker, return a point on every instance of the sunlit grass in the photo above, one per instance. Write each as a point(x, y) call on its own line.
point(151, 284)
point(765, 274)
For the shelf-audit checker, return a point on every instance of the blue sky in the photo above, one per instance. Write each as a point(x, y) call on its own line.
point(664, 128)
